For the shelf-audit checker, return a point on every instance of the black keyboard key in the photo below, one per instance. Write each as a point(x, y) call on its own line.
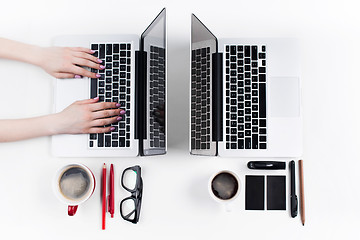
point(93, 136)
point(94, 47)
point(108, 49)
point(262, 146)
point(262, 100)
point(107, 141)
point(262, 78)
point(116, 48)
point(247, 51)
point(122, 142)
point(254, 52)
point(262, 122)
point(233, 50)
point(102, 51)
point(255, 141)
point(262, 55)
point(114, 144)
point(100, 140)
point(262, 138)
point(94, 88)
point(247, 143)
point(241, 144)
point(91, 144)
point(262, 69)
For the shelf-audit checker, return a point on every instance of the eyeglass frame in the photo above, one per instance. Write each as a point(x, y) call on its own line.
point(136, 194)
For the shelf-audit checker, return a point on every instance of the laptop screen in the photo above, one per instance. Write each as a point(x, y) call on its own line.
point(203, 46)
point(153, 43)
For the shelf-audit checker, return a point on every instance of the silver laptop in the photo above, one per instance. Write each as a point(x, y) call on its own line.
point(135, 76)
point(245, 96)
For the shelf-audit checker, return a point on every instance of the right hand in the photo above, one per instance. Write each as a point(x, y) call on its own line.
point(88, 116)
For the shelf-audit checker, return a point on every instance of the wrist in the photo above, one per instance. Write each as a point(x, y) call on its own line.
point(55, 125)
point(36, 55)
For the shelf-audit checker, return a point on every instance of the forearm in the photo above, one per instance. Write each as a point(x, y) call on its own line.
point(20, 51)
point(20, 129)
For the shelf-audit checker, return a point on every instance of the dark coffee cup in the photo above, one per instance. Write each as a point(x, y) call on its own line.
point(73, 185)
point(224, 186)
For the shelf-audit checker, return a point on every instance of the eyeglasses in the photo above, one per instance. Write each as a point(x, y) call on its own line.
point(130, 207)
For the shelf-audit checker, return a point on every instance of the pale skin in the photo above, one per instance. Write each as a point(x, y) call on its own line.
point(85, 116)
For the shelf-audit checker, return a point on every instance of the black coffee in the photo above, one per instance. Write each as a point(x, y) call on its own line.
point(74, 183)
point(224, 186)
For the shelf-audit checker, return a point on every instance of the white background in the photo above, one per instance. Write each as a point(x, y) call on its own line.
point(176, 204)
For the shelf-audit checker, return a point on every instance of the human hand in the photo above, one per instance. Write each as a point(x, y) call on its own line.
point(65, 62)
point(88, 116)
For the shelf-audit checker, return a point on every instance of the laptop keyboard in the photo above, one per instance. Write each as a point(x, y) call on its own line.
point(245, 115)
point(157, 97)
point(200, 99)
point(113, 86)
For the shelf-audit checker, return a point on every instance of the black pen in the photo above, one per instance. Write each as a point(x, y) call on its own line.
point(293, 197)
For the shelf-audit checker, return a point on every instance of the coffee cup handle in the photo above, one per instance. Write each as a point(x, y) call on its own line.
point(72, 210)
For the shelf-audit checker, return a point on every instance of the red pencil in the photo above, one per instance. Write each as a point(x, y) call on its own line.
point(112, 193)
point(103, 197)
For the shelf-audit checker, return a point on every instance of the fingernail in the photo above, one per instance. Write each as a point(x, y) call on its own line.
point(99, 61)
point(118, 105)
point(96, 98)
point(112, 128)
point(122, 112)
point(92, 51)
point(102, 67)
point(119, 118)
point(98, 75)
point(77, 76)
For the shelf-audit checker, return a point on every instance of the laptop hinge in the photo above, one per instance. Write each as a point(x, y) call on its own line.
point(217, 99)
point(140, 95)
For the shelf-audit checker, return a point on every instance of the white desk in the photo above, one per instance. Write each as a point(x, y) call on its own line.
point(176, 204)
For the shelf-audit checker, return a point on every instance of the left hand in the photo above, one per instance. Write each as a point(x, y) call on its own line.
point(65, 62)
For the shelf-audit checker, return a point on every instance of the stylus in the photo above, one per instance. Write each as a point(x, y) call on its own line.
point(266, 165)
point(293, 197)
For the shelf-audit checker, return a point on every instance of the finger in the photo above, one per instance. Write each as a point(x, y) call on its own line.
point(87, 63)
point(101, 129)
point(105, 121)
point(104, 105)
point(82, 49)
point(87, 56)
point(63, 75)
point(81, 71)
point(88, 101)
point(107, 113)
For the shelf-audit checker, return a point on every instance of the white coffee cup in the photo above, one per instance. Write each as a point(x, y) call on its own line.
point(224, 187)
point(74, 184)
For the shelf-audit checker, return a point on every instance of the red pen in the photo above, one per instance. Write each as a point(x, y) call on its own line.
point(111, 205)
point(103, 197)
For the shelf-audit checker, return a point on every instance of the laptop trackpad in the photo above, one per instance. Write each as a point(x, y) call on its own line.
point(284, 97)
